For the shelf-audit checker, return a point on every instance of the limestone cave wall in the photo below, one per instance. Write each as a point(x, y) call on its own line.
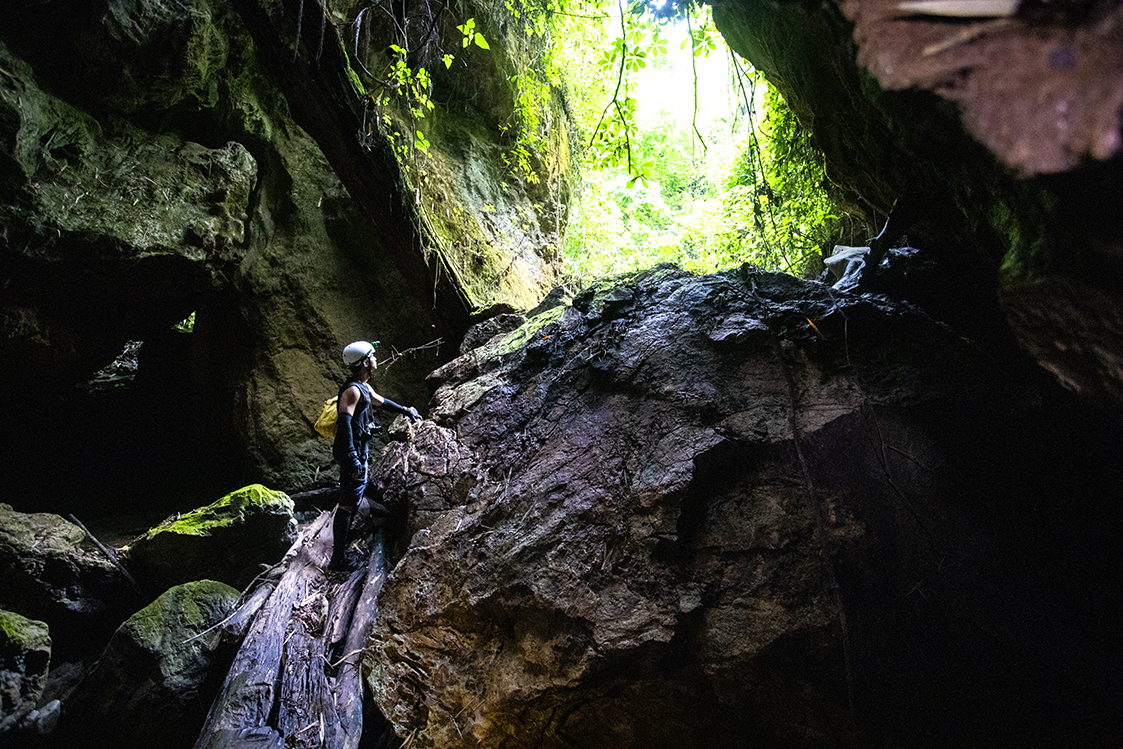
point(152, 166)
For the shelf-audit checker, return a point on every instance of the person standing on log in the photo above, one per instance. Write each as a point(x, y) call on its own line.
point(354, 429)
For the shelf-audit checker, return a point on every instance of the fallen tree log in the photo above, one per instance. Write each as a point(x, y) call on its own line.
point(349, 679)
point(284, 688)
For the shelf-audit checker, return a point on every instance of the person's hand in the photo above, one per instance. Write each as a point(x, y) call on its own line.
point(413, 415)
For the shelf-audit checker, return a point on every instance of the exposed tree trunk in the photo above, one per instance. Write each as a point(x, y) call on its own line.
point(299, 44)
point(295, 681)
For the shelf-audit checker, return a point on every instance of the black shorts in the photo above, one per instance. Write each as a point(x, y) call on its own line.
point(351, 488)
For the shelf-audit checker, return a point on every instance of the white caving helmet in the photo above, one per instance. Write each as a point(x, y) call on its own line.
point(358, 351)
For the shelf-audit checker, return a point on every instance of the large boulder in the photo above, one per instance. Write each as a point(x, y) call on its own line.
point(157, 677)
point(48, 572)
point(743, 510)
point(228, 540)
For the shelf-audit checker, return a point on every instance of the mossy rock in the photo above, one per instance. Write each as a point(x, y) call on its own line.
point(159, 673)
point(25, 658)
point(227, 541)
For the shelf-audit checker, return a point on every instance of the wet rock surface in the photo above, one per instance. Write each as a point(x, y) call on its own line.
point(744, 510)
point(150, 169)
point(50, 574)
point(25, 659)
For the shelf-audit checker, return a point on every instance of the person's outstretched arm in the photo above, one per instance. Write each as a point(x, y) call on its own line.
point(409, 411)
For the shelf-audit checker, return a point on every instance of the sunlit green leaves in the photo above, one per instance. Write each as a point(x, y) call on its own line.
point(701, 41)
point(610, 145)
point(530, 94)
point(471, 36)
point(767, 206)
point(651, 193)
point(641, 171)
point(802, 215)
point(187, 325)
point(411, 85)
point(640, 43)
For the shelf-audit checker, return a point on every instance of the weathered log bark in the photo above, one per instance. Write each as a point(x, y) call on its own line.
point(306, 707)
point(295, 681)
point(299, 44)
point(235, 625)
point(246, 700)
point(349, 680)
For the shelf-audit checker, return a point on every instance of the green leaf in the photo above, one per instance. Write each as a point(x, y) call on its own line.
point(481, 42)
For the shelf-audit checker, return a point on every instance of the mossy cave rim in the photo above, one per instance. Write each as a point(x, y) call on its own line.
point(152, 77)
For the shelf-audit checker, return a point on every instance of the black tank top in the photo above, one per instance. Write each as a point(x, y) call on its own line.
point(363, 426)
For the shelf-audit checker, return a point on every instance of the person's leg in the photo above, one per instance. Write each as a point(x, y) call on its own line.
point(340, 532)
point(350, 492)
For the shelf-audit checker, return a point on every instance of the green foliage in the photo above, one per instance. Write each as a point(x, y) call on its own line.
point(532, 94)
point(186, 325)
point(702, 41)
point(471, 36)
point(525, 134)
point(759, 197)
point(527, 131)
point(717, 190)
point(791, 208)
point(611, 143)
point(406, 89)
point(411, 85)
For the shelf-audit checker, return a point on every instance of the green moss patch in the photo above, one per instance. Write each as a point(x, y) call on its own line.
point(20, 633)
point(519, 337)
point(232, 508)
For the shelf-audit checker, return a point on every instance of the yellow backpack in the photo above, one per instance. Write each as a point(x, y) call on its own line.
point(328, 419)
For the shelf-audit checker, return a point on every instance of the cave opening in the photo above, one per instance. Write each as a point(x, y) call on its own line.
point(121, 448)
